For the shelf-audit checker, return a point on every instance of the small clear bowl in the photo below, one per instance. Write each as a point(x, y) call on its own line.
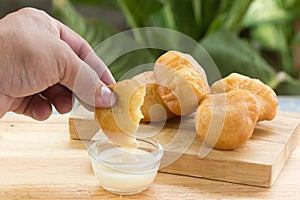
point(124, 171)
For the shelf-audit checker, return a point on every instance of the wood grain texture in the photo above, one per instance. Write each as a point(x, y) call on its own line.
point(39, 161)
point(258, 163)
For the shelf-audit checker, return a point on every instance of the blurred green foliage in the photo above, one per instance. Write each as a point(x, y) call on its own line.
point(257, 38)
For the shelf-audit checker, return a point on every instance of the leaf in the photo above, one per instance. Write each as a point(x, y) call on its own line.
point(184, 17)
point(228, 15)
point(122, 52)
point(197, 9)
point(274, 37)
point(294, 7)
point(210, 9)
point(111, 4)
point(162, 18)
point(132, 63)
point(137, 12)
point(231, 54)
point(265, 11)
point(287, 85)
point(235, 15)
point(91, 30)
point(288, 88)
point(216, 24)
point(216, 21)
point(269, 36)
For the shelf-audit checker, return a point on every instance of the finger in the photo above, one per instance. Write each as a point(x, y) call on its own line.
point(77, 76)
point(6, 103)
point(85, 52)
point(98, 65)
point(35, 107)
point(107, 77)
point(86, 106)
point(60, 97)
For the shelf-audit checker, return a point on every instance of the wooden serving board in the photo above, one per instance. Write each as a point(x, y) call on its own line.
point(258, 163)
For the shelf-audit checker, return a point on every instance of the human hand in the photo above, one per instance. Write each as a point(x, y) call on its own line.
point(42, 61)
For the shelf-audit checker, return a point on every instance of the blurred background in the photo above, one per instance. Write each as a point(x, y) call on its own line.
point(257, 38)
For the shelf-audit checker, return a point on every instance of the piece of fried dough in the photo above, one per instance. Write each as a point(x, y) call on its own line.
point(182, 83)
point(227, 120)
point(153, 108)
point(266, 97)
point(120, 123)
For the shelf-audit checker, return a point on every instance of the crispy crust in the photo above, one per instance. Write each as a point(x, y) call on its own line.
point(153, 108)
point(121, 122)
point(182, 83)
point(265, 96)
point(227, 120)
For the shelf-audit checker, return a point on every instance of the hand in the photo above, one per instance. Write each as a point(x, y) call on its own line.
point(42, 61)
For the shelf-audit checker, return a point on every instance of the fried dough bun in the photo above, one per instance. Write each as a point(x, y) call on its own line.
point(120, 123)
point(182, 83)
point(227, 120)
point(266, 97)
point(153, 108)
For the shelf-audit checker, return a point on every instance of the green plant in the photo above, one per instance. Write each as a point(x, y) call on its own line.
point(253, 37)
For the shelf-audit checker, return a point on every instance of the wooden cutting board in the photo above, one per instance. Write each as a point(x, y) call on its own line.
point(258, 163)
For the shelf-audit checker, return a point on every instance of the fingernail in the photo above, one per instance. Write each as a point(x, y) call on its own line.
point(108, 97)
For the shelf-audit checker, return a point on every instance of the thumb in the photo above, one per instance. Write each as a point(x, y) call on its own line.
point(85, 82)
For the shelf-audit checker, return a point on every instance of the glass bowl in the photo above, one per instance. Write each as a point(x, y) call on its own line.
point(125, 171)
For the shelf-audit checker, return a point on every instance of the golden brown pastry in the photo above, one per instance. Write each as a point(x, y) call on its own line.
point(227, 120)
point(153, 108)
point(266, 97)
point(120, 123)
point(182, 83)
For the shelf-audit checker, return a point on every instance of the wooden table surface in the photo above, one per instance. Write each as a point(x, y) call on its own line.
point(39, 161)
